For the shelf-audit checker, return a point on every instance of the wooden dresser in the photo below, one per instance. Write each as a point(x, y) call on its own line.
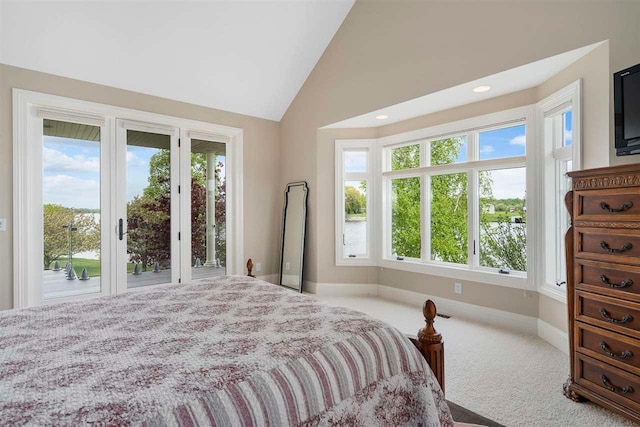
point(603, 288)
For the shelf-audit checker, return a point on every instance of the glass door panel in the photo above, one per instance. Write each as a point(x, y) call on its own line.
point(149, 210)
point(71, 209)
point(208, 209)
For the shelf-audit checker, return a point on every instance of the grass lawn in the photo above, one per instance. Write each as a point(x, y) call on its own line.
point(92, 266)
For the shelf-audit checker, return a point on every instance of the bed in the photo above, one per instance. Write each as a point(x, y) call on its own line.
point(224, 351)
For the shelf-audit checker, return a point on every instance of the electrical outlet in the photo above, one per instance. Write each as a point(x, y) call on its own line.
point(457, 287)
point(3, 224)
point(287, 265)
point(258, 266)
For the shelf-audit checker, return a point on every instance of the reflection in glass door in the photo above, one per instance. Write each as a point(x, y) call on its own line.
point(145, 227)
point(208, 209)
point(71, 209)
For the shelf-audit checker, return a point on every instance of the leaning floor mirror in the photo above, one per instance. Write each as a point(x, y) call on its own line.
point(293, 235)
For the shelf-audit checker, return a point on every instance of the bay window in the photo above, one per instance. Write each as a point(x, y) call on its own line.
point(480, 199)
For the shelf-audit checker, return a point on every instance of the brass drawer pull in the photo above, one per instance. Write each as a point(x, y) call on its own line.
point(625, 319)
point(624, 390)
point(625, 283)
point(627, 246)
point(622, 208)
point(606, 350)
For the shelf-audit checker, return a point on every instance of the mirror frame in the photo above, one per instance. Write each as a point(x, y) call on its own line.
point(305, 190)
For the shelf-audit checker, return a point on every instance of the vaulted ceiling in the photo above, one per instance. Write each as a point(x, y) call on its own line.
point(239, 56)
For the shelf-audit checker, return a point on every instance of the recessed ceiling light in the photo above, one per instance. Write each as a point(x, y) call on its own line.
point(382, 117)
point(481, 89)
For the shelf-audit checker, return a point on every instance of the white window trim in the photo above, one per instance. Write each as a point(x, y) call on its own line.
point(28, 111)
point(342, 145)
point(569, 96)
point(525, 115)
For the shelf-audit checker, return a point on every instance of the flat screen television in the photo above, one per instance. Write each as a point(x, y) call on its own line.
point(626, 98)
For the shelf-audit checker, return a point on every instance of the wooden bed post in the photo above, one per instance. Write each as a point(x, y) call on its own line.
point(249, 268)
point(430, 343)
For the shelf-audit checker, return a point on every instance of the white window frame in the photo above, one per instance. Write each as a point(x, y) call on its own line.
point(470, 127)
point(29, 109)
point(550, 114)
point(342, 146)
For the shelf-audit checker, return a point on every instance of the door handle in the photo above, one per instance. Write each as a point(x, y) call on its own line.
point(121, 232)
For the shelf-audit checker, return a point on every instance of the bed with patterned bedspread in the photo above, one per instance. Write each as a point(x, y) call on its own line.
point(230, 351)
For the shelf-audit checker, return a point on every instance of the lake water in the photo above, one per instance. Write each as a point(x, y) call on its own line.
point(355, 237)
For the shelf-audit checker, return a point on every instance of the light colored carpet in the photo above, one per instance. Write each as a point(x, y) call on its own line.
point(513, 379)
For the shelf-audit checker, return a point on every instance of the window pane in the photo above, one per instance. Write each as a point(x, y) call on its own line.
point(450, 150)
point(564, 220)
point(405, 217)
point(567, 137)
point(148, 208)
point(505, 142)
point(405, 157)
point(355, 218)
point(71, 209)
point(208, 209)
point(449, 218)
point(503, 217)
point(355, 161)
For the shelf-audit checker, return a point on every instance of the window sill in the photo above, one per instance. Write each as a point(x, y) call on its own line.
point(514, 280)
point(555, 292)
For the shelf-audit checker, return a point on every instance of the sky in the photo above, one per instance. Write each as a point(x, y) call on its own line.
point(71, 170)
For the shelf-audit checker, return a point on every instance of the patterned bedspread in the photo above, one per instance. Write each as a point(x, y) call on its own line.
point(228, 351)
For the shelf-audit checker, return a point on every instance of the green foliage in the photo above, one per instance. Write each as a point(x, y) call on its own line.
point(354, 201)
point(405, 157)
point(502, 244)
point(148, 216)
point(56, 237)
point(405, 217)
point(449, 227)
point(160, 171)
point(446, 151)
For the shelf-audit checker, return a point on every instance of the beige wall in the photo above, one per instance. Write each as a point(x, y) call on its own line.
point(491, 296)
point(262, 195)
point(553, 312)
point(593, 70)
point(390, 52)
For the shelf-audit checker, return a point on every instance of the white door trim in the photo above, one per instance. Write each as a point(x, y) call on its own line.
point(27, 180)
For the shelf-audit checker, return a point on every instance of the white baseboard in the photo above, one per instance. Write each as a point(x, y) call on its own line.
point(341, 289)
point(553, 336)
point(463, 310)
point(491, 316)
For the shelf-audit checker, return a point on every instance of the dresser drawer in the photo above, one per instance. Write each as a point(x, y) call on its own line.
point(609, 347)
point(607, 380)
point(609, 313)
point(612, 245)
point(619, 204)
point(619, 280)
